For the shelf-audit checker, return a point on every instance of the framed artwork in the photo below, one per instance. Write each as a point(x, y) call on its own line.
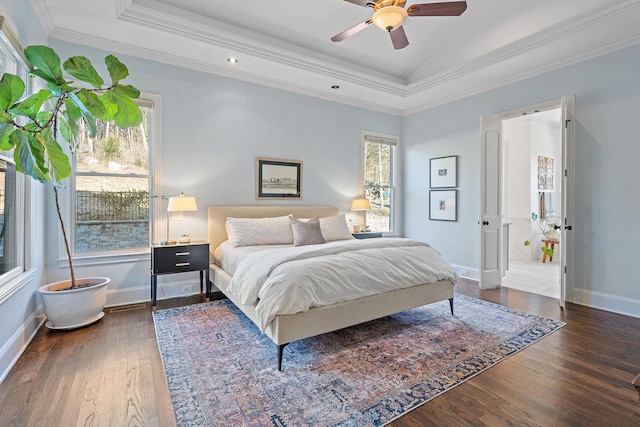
point(542, 181)
point(444, 172)
point(278, 179)
point(549, 165)
point(443, 205)
point(542, 164)
point(549, 184)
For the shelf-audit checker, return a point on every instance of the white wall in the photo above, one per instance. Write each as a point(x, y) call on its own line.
point(213, 128)
point(607, 201)
point(21, 311)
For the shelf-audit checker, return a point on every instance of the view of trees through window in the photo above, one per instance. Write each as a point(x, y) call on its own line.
point(378, 183)
point(112, 188)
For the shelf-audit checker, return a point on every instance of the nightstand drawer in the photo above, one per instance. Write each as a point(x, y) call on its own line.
point(176, 259)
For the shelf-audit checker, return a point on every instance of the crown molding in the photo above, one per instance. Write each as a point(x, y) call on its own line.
point(218, 33)
point(202, 66)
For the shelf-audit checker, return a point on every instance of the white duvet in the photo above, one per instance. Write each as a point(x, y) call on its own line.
point(293, 279)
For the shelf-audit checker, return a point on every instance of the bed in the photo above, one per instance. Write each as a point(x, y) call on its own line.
point(283, 329)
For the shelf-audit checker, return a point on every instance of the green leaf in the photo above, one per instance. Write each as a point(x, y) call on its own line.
point(117, 70)
point(6, 129)
point(11, 89)
point(5, 117)
point(73, 112)
point(47, 63)
point(127, 90)
point(527, 243)
point(128, 114)
point(58, 162)
point(44, 76)
point(29, 156)
point(31, 105)
point(93, 103)
point(88, 117)
point(82, 69)
point(108, 99)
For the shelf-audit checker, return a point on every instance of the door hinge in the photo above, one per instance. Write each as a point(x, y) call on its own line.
point(565, 269)
point(566, 123)
point(565, 173)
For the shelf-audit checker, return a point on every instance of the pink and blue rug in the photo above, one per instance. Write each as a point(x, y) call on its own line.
point(222, 371)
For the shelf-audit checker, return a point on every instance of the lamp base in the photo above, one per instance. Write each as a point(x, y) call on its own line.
point(168, 242)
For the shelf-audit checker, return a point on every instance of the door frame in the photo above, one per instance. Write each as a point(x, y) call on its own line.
point(567, 104)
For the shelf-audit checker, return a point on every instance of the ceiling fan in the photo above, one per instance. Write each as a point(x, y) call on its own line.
point(390, 14)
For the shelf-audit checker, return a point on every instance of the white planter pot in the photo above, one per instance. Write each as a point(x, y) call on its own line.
point(73, 308)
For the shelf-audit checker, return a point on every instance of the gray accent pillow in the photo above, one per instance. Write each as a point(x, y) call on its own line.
point(306, 232)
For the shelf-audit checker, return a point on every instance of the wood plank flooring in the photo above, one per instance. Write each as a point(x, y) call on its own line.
point(111, 374)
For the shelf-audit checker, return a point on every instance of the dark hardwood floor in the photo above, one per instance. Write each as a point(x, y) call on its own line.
point(111, 374)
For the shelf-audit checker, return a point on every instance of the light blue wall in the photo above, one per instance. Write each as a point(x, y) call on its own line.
point(213, 128)
point(20, 312)
point(607, 195)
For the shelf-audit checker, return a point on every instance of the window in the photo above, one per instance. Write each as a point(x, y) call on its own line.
point(12, 184)
point(379, 154)
point(111, 183)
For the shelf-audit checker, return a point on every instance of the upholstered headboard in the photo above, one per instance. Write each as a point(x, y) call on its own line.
point(217, 216)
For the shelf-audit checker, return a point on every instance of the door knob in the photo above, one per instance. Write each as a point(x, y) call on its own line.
point(485, 222)
point(567, 227)
point(557, 227)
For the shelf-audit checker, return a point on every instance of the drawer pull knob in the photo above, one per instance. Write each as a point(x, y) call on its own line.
point(182, 253)
point(183, 264)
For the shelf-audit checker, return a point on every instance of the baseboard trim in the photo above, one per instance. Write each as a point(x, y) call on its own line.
point(608, 302)
point(17, 344)
point(138, 294)
point(467, 272)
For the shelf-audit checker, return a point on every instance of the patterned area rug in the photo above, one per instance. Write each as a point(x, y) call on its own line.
point(222, 371)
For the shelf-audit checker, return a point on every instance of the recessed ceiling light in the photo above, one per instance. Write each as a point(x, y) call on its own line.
point(232, 60)
point(335, 87)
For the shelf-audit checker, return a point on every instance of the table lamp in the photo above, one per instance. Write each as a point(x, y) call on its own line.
point(361, 205)
point(177, 205)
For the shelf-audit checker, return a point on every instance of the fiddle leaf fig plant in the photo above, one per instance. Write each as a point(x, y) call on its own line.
point(33, 126)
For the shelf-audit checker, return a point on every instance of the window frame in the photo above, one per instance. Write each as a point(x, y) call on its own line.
point(393, 141)
point(14, 279)
point(88, 258)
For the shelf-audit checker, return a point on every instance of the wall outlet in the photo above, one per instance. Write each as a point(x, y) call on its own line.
point(464, 272)
point(186, 289)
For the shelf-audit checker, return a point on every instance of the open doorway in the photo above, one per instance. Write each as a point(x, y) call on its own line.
point(532, 201)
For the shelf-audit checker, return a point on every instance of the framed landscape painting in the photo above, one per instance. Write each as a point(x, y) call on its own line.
point(278, 179)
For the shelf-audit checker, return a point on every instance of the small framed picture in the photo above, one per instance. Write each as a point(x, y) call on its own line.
point(444, 172)
point(549, 165)
point(443, 205)
point(542, 181)
point(549, 184)
point(278, 179)
point(542, 164)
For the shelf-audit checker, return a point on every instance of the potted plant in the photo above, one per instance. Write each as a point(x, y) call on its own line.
point(31, 126)
point(547, 229)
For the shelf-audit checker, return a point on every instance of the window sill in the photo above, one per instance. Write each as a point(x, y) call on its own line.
point(15, 284)
point(142, 255)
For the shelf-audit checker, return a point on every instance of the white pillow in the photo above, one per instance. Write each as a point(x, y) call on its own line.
point(335, 228)
point(259, 231)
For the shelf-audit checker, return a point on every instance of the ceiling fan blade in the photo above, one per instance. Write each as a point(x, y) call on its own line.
point(453, 8)
point(365, 3)
point(351, 31)
point(399, 38)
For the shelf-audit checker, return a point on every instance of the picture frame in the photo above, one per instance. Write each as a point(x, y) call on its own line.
point(443, 205)
point(278, 179)
point(443, 172)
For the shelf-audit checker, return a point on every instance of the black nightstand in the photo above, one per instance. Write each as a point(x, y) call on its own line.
point(367, 235)
point(179, 258)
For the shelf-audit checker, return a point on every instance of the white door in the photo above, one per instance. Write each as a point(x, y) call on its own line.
point(490, 202)
point(566, 236)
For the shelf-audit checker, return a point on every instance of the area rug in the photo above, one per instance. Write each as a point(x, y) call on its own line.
point(222, 371)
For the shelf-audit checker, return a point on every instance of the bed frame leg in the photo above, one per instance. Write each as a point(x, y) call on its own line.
point(451, 305)
point(280, 350)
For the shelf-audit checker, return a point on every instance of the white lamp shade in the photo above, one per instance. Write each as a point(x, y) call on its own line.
point(389, 18)
point(360, 205)
point(182, 203)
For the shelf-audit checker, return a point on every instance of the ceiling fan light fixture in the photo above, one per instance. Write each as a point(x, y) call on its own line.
point(389, 18)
